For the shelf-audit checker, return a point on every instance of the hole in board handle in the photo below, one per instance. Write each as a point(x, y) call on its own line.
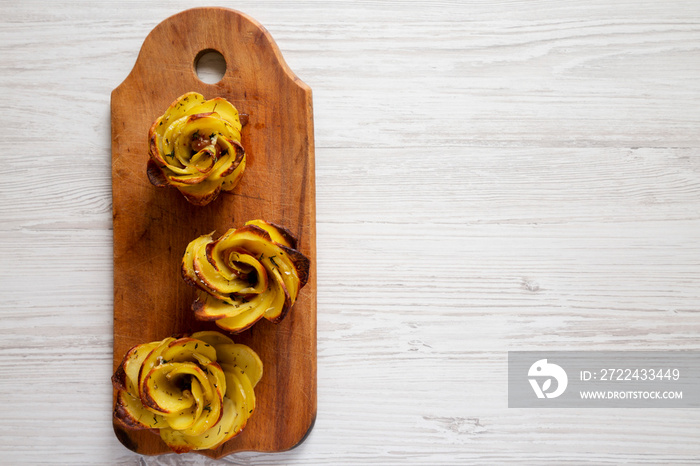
point(210, 66)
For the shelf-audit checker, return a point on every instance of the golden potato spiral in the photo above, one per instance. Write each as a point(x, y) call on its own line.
point(248, 273)
point(197, 391)
point(195, 146)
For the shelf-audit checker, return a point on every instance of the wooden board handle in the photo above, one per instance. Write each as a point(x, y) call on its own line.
point(152, 226)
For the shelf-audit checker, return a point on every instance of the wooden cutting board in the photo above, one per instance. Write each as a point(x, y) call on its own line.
point(152, 226)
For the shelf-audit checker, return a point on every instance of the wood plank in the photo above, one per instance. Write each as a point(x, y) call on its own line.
point(153, 226)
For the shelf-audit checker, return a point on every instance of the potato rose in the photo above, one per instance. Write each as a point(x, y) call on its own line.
point(195, 146)
point(197, 390)
point(251, 272)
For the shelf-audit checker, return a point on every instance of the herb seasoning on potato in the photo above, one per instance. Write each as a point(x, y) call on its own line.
point(195, 146)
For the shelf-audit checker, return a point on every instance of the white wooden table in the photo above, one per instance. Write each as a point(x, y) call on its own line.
point(491, 176)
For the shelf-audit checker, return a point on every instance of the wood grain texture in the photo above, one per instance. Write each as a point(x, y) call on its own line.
point(491, 176)
point(152, 226)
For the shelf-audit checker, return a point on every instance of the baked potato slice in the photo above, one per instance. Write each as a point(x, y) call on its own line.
point(195, 146)
point(247, 274)
point(183, 389)
point(236, 357)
